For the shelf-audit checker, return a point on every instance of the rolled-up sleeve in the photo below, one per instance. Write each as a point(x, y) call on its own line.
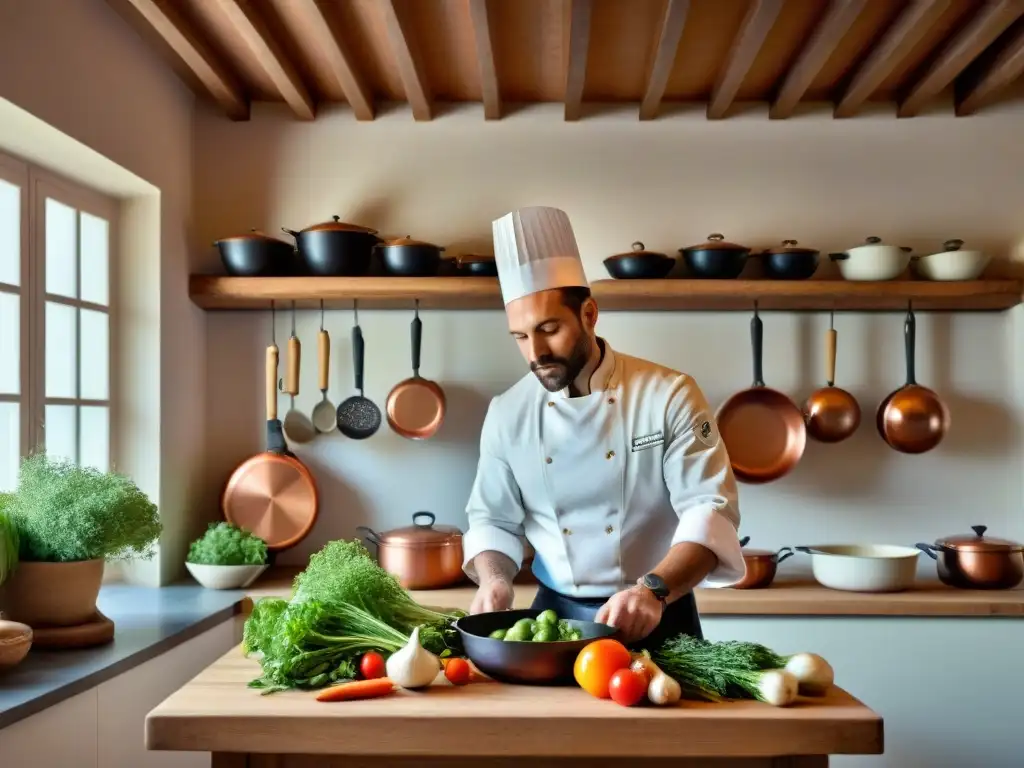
point(700, 482)
point(495, 507)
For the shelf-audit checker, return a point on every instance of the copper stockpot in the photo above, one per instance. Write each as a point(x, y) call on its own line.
point(421, 555)
point(977, 562)
point(761, 565)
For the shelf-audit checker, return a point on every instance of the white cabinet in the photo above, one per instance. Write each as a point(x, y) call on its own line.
point(104, 727)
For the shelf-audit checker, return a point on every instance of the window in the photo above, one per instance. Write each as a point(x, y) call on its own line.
point(55, 319)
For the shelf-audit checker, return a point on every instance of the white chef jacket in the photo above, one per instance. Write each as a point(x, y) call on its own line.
point(602, 485)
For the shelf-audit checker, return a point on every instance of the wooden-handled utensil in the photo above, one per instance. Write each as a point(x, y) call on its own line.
point(324, 416)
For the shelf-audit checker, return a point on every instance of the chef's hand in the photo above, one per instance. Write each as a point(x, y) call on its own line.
point(492, 595)
point(635, 612)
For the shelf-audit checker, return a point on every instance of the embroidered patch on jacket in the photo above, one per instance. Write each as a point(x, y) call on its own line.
point(706, 431)
point(648, 441)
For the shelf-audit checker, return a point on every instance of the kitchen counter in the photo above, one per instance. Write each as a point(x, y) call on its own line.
point(783, 598)
point(491, 724)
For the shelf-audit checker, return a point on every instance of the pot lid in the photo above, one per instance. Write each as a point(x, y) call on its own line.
point(790, 246)
point(253, 234)
point(639, 250)
point(337, 225)
point(749, 552)
point(868, 241)
point(422, 533)
point(474, 258)
point(407, 240)
point(979, 542)
point(716, 242)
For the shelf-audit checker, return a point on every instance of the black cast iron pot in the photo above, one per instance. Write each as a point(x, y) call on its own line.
point(476, 265)
point(335, 249)
point(788, 262)
point(256, 255)
point(639, 264)
point(405, 257)
point(716, 259)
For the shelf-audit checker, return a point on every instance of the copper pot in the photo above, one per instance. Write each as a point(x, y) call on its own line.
point(761, 565)
point(422, 555)
point(977, 562)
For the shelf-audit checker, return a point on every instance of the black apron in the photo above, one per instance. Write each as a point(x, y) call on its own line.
point(680, 617)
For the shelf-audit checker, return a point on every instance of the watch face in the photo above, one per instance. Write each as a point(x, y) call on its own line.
point(656, 584)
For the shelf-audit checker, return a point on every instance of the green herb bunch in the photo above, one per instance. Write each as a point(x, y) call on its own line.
point(227, 544)
point(728, 669)
point(8, 540)
point(65, 513)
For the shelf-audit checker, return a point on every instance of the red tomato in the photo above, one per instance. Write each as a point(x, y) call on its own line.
point(457, 671)
point(627, 687)
point(372, 666)
point(596, 664)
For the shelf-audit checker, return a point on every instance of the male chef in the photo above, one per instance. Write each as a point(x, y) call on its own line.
point(611, 466)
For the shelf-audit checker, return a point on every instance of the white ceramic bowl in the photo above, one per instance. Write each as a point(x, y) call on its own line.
point(864, 567)
point(951, 265)
point(225, 576)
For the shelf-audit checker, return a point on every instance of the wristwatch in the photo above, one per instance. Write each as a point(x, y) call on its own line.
point(656, 584)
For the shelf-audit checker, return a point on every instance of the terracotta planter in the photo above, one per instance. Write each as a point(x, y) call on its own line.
point(52, 594)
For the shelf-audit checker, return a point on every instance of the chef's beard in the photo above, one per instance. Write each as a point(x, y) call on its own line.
point(563, 370)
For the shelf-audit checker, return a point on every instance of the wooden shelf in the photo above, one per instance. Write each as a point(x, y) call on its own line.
point(256, 293)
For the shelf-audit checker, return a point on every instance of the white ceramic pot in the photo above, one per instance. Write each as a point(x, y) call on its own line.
point(225, 576)
point(873, 261)
point(951, 263)
point(864, 567)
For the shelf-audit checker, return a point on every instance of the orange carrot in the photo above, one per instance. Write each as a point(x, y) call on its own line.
point(357, 689)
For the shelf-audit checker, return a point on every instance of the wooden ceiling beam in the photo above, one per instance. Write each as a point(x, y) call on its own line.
point(672, 24)
point(214, 76)
point(991, 21)
point(339, 61)
point(489, 89)
point(579, 43)
point(268, 53)
point(907, 31)
point(410, 70)
point(976, 91)
point(826, 37)
point(756, 25)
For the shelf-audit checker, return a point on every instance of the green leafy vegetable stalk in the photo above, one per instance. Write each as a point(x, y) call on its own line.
point(66, 513)
point(8, 541)
point(730, 669)
point(227, 544)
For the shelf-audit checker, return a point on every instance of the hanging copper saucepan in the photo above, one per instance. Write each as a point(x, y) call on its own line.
point(416, 406)
point(763, 430)
point(832, 414)
point(913, 419)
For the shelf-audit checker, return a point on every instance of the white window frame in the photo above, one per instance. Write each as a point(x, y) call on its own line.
point(38, 184)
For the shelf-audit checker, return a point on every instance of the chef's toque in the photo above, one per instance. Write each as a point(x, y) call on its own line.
point(535, 250)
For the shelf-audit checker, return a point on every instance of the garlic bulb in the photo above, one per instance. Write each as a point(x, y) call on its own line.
point(813, 673)
point(412, 665)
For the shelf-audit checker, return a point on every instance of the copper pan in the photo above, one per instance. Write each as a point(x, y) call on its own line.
point(913, 419)
point(272, 495)
point(763, 430)
point(832, 414)
point(416, 406)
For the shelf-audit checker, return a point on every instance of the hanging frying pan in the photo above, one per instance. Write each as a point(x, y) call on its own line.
point(831, 413)
point(416, 406)
point(272, 495)
point(913, 419)
point(763, 430)
point(358, 416)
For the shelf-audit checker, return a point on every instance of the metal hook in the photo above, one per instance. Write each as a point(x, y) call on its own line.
point(755, 307)
point(293, 318)
point(355, 311)
point(832, 320)
point(321, 314)
point(417, 307)
point(273, 322)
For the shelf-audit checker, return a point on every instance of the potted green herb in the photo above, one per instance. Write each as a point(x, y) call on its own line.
point(70, 520)
point(8, 541)
point(226, 557)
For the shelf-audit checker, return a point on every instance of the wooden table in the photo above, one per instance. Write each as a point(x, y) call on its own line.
point(491, 724)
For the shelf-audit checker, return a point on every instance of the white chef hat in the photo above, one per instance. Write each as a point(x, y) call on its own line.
point(535, 250)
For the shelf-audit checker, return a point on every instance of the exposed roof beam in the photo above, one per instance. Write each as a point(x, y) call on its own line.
point(489, 89)
point(672, 24)
point(254, 31)
point(977, 90)
point(211, 73)
point(409, 70)
point(829, 32)
point(339, 62)
point(905, 33)
point(756, 25)
point(990, 22)
point(579, 43)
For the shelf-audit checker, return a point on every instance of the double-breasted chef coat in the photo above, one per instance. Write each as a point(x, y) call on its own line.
point(603, 484)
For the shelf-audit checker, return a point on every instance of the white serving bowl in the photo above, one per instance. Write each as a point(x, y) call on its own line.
point(951, 263)
point(864, 567)
point(225, 576)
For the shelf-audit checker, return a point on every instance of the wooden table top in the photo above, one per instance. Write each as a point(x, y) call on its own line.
point(217, 712)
